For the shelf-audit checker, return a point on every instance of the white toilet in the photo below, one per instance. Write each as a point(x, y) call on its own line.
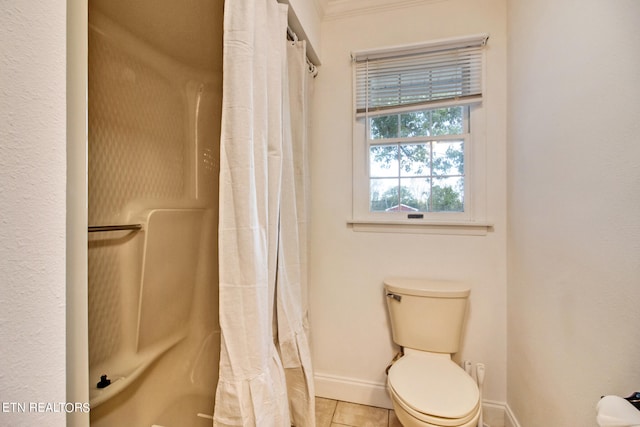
point(427, 388)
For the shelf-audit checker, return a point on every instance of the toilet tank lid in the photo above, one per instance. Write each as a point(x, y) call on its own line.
point(426, 287)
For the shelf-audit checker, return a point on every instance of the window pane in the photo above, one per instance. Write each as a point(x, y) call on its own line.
point(448, 158)
point(384, 127)
point(383, 194)
point(420, 176)
point(440, 121)
point(415, 159)
point(447, 121)
point(447, 195)
point(414, 193)
point(417, 123)
point(383, 161)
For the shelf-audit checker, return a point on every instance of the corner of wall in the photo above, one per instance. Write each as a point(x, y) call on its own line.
point(76, 252)
point(304, 20)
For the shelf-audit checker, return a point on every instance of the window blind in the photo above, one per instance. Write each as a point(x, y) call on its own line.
point(400, 79)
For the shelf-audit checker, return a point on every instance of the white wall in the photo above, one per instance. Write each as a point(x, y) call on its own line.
point(574, 207)
point(304, 19)
point(350, 332)
point(32, 208)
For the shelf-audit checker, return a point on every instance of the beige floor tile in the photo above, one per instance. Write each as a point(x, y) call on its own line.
point(352, 414)
point(393, 420)
point(324, 411)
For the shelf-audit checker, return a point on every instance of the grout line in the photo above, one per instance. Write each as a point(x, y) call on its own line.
point(335, 410)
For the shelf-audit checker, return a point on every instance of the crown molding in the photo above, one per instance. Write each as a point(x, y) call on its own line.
point(337, 9)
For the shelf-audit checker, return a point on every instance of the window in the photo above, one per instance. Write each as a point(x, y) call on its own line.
point(416, 161)
point(417, 112)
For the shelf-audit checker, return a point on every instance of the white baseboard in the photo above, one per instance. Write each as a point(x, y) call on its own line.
point(352, 390)
point(509, 418)
point(496, 414)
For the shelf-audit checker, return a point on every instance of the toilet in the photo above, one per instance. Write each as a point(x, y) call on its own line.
point(427, 388)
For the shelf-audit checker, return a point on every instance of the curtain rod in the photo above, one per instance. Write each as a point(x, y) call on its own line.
point(291, 35)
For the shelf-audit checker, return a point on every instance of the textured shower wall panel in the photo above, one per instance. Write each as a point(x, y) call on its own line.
point(136, 153)
point(137, 132)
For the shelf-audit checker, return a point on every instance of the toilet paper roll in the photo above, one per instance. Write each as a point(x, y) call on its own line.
point(614, 411)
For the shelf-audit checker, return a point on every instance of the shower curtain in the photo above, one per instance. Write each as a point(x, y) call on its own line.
point(265, 374)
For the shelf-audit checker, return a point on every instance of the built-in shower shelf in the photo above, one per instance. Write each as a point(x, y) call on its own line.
point(124, 369)
point(169, 265)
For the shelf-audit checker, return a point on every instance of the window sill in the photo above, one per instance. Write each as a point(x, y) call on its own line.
point(465, 228)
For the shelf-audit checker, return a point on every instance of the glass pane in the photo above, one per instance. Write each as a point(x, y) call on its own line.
point(440, 121)
point(448, 158)
point(417, 123)
point(447, 121)
point(414, 195)
point(415, 159)
point(384, 127)
point(383, 161)
point(447, 195)
point(383, 194)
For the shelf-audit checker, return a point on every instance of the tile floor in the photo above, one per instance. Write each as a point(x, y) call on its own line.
point(334, 413)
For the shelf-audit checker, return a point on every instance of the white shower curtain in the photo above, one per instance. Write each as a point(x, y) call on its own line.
point(291, 279)
point(265, 376)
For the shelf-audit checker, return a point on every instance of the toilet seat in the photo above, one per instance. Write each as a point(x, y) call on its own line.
point(433, 389)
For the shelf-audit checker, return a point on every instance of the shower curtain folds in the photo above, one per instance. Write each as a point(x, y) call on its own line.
point(265, 376)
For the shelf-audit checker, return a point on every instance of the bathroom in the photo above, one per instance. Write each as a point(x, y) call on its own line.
point(554, 280)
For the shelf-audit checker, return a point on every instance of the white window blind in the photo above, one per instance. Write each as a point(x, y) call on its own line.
point(404, 78)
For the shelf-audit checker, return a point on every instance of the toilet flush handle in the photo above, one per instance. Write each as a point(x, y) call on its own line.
point(394, 296)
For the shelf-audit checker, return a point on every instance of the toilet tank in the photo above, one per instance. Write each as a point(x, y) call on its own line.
point(426, 315)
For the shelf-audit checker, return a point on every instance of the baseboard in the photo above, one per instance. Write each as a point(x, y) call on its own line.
point(352, 390)
point(496, 414)
point(509, 418)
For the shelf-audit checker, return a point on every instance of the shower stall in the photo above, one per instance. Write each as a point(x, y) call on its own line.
point(154, 98)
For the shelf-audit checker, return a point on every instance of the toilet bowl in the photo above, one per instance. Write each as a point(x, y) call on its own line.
point(429, 389)
point(426, 387)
